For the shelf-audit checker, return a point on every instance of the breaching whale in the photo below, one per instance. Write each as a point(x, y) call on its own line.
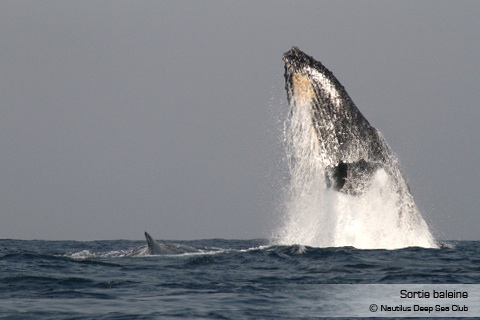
point(349, 148)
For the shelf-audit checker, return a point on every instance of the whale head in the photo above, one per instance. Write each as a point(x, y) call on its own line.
point(309, 83)
point(343, 133)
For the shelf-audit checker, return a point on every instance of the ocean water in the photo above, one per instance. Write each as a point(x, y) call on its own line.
point(226, 279)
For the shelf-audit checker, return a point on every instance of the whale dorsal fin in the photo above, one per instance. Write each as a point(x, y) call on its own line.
point(153, 246)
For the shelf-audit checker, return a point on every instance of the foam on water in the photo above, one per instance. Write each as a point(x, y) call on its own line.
point(320, 217)
point(138, 252)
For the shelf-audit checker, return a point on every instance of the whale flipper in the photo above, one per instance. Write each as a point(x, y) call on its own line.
point(351, 178)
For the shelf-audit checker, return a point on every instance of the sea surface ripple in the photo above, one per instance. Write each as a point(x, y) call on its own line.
point(226, 279)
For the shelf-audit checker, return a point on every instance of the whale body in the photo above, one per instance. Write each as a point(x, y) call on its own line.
point(348, 147)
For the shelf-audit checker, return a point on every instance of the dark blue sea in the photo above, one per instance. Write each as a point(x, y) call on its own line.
point(225, 279)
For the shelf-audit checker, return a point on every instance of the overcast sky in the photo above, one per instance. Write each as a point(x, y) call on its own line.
point(118, 117)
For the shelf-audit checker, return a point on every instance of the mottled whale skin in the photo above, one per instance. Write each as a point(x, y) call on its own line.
point(350, 149)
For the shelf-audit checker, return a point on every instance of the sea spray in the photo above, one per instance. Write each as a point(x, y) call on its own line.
point(317, 216)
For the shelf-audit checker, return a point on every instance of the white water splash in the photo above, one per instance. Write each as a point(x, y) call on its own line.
point(320, 217)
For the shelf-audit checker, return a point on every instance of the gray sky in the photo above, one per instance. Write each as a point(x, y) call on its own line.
point(123, 116)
